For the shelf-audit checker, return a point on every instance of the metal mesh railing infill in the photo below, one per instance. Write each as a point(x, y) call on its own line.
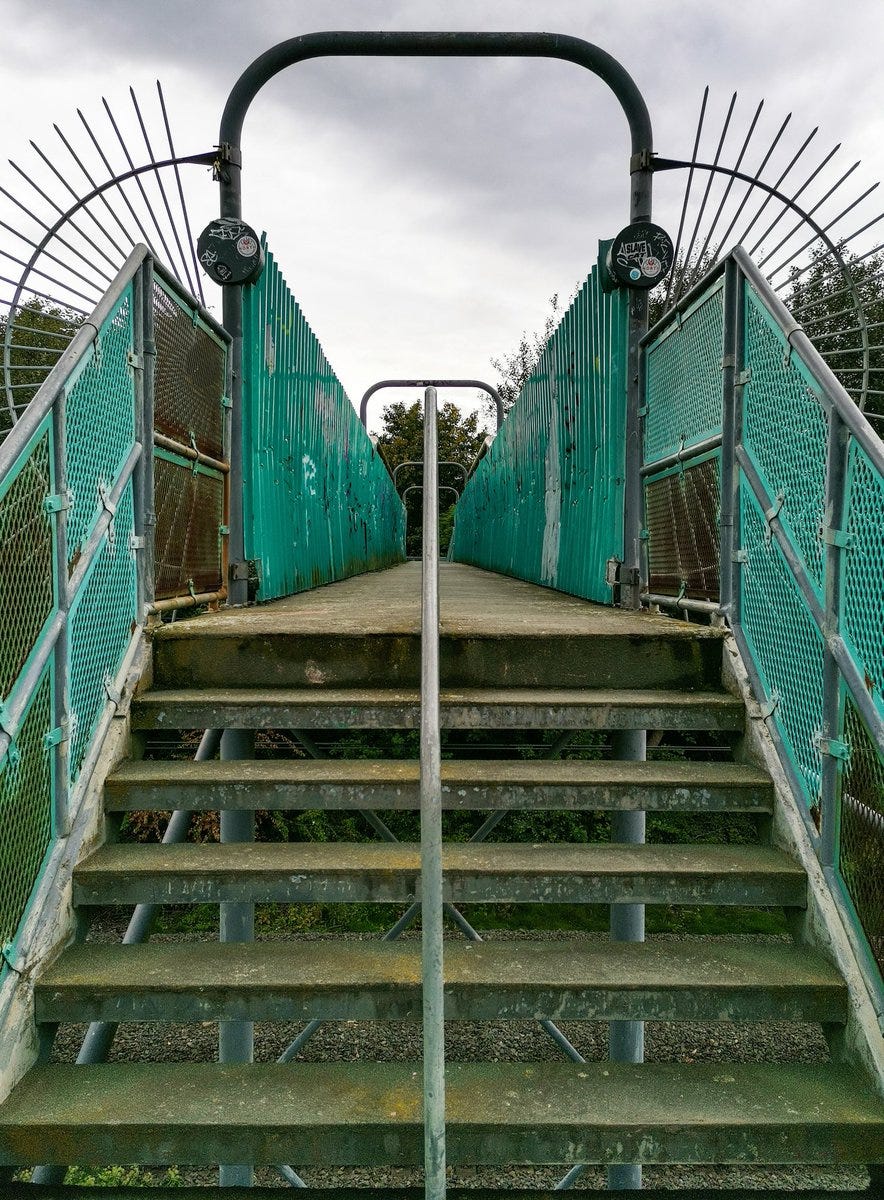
point(77, 497)
point(784, 532)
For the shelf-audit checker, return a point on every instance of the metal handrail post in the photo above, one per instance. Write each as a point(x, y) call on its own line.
point(431, 823)
point(730, 301)
point(236, 1039)
point(61, 815)
point(831, 742)
point(626, 1039)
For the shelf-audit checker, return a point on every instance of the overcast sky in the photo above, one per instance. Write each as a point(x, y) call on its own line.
point(424, 211)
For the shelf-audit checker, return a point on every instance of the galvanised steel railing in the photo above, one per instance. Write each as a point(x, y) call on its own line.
point(546, 502)
point(764, 501)
point(318, 501)
point(86, 512)
point(431, 821)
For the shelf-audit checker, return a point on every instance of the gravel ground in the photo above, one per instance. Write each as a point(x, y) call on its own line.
point(506, 1041)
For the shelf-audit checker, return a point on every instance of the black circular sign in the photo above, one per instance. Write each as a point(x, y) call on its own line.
point(640, 255)
point(230, 252)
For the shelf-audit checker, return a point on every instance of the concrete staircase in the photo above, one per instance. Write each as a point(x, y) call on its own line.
point(513, 657)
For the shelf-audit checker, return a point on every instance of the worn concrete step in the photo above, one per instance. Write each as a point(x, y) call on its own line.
point(264, 647)
point(363, 1113)
point(573, 979)
point(381, 872)
point(468, 708)
point(466, 784)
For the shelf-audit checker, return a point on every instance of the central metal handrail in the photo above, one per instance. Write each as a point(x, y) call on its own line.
point(431, 821)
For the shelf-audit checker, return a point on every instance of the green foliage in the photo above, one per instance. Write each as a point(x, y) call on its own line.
point(402, 440)
point(516, 368)
point(826, 307)
point(99, 1177)
point(39, 334)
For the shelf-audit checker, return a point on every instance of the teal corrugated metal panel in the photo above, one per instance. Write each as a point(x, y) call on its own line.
point(546, 503)
point(319, 504)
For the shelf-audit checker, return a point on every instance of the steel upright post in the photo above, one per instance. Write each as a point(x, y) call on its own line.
point(832, 743)
point(626, 1042)
point(61, 816)
point(431, 823)
point(730, 301)
point(236, 1038)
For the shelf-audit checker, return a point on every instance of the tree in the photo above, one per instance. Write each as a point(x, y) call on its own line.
point(515, 369)
point(40, 332)
point(402, 440)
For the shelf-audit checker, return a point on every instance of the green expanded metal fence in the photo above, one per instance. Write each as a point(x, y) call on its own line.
point(318, 502)
point(78, 496)
point(764, 496)
point(546, 502)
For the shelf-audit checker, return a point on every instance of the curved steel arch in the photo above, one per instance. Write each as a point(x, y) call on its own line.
point(834, 248)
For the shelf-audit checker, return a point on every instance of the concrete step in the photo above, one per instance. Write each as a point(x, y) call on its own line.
point(468, 708)
point(466, 784)
point(573, 979)
point(268, 647)
point(364, 1113)
point(385, 873)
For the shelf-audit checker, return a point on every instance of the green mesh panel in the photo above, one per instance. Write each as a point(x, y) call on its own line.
point(100, 422)
point(26, 561)
point(25, 810)
point(863, 603)
point(862, 830)
point(785, 432)
point(784, 643)
point(683, 387)
point(102, 621)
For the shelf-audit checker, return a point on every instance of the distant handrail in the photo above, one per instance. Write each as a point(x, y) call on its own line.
point(419, 487)
point(413, 462)
point(436, 383)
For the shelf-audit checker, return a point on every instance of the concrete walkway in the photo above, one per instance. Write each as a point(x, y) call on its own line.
point(472, 602)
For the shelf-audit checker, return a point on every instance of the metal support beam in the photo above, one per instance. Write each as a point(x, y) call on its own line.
point(627, 1038)
point(236, 1038)
point(431, 822)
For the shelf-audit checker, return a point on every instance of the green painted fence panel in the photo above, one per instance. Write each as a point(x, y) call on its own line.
point(319, 504)
point(546, 502)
